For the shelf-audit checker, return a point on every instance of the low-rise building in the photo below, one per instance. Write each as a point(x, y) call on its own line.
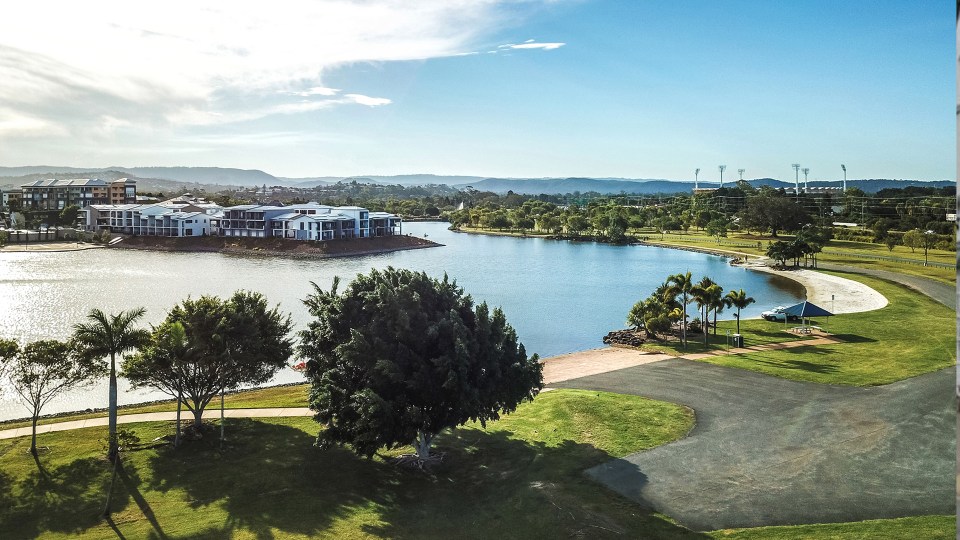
point(310, 221)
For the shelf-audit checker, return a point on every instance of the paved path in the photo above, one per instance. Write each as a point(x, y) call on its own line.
point(769, 451)
point(157, 417)
point(944, 293)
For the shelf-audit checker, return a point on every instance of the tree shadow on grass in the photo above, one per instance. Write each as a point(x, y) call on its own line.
point(66, 499)
point(493, 484)
point(853, 338)
point(271, 479)
point(802, 365)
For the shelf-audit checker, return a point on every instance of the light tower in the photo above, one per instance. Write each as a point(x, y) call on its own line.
point(741, 171)
point(844, 167)
point(806, 187)
point(696, 176)
point(796, 168)
point(722, 168)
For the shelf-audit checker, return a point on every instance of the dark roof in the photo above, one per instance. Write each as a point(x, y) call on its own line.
point(807, 309)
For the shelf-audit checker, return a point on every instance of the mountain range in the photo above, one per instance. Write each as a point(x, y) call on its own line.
point(212, 178)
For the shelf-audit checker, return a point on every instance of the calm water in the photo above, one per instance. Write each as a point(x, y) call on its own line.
point(560, 296)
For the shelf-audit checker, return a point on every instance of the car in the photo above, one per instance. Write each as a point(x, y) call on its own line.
point(778, 314)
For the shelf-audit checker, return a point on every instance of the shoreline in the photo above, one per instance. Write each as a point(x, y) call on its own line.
point(294, 249)
point(822, 289)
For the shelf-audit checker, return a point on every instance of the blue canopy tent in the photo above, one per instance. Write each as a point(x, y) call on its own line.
point(805, 310)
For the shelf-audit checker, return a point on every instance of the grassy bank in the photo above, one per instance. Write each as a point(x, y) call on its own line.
point(911, 335)
point(519, 478)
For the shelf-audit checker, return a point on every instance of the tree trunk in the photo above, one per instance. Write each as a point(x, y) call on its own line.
point(176, 438)
point(197, 417)
point(221, 419)
point(738, 320)
point(714, 323)
point(422, 445)
point(112, 421)
point(33, 440)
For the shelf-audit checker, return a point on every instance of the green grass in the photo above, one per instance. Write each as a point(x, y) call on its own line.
point(755, 332)
point(275, 396)
point(521, 477)
point(839, 251)
point(911, 335)
point(881, 529)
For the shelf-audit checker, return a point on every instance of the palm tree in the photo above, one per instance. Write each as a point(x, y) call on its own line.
point(111, 336)
point(715, 302)
point(681, 285)
point(739, 300)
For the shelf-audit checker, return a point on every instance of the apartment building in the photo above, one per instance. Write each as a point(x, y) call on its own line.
point(310, 221)
point(172, 218)
point(52, 194)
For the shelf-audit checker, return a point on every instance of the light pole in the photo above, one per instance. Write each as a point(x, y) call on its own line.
point(722, 168)
point(796, 168)
point(741, 171)
point(844, 167)
point(696, 177)
point(806, 186)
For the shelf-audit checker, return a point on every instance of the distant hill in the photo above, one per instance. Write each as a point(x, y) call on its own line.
point(219, 178)
point(654, 187)
point(191, 175)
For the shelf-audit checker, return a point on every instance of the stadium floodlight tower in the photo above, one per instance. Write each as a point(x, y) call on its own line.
point(722, 168)
point(741, 171)
point(796, 168)
point(696, 177)
point(844, 167)
point(806, 186)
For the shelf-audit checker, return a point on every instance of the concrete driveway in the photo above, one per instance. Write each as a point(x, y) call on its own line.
point(768, 451)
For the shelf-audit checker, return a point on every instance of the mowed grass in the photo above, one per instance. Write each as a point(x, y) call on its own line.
point(836, 251)
point(274, 396)
point(755, 332)
point(521, 477)
point(910, 336)
point(881, 529)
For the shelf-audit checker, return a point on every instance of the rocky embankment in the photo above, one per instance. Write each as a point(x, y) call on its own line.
point(277, 247)
point(629, 338)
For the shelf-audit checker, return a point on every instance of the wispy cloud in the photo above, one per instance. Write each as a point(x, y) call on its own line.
point(528, 44)
point(204, 62)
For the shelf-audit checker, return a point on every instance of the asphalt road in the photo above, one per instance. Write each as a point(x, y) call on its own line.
point(769, 451)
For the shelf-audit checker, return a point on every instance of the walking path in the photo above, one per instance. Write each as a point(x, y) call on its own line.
point(770, 451)
point(555, 369)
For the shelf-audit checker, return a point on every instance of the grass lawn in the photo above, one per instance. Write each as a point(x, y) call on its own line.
point(755, 332)
point(836, 251)
point(912, 335)
point(522, 477)
point(881, 529)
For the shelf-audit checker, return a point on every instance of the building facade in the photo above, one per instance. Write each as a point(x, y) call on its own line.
point(310, 221)
point(55, 194)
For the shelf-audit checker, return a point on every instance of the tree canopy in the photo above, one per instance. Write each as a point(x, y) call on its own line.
point(399, 356)
point(207, 345)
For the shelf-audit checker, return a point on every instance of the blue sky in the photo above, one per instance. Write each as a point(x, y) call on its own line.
point(636, 89)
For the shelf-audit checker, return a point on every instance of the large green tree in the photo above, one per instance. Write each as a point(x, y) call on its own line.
point(225, 344)
point(111, 336)
point(398, 357)
point(44, 369)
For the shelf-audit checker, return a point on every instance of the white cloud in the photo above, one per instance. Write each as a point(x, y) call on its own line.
point(207, 62)
point(13, 124)
point(368, 101)
point(532, 45)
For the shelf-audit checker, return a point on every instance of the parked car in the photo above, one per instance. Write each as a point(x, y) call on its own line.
point(778, 314)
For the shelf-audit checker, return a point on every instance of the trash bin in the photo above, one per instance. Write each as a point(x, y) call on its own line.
point(737, 340)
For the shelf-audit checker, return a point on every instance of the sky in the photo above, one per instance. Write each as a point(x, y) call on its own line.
point(502, 88)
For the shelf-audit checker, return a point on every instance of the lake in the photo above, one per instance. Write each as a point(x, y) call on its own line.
point(560, 296)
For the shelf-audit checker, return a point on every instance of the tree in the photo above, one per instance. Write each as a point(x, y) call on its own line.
point(239, 341)
point(399, 356)
point(714, 297)
point(41, 370)
point(773, 212)
point(68, 216)
point(913, 239)
point(681, 285)
point(163, 364)
point(111, 336)
point(739, 300)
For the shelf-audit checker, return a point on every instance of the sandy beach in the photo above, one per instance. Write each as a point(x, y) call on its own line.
point(835, 294)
